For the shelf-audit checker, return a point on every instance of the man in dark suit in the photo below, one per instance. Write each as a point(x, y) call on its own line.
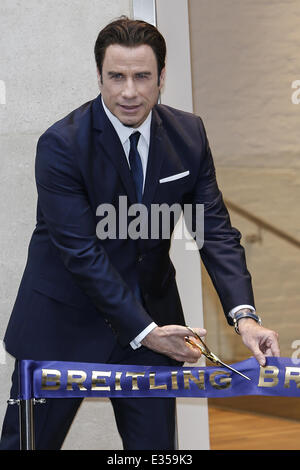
point(89, 297)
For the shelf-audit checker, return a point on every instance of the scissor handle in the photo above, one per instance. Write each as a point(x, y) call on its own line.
point(199, 338)
point(194, 344)
point(203, 348)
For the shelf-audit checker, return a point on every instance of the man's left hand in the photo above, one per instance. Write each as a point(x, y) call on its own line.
point(261, 341)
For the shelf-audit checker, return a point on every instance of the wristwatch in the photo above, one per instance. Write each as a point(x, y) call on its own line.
point(249, 314)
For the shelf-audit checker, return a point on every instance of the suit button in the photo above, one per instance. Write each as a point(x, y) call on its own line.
point(140, 258)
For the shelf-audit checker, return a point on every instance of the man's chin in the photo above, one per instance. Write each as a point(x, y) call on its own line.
point(134, 125)
point(129, 122)
point(133, 120)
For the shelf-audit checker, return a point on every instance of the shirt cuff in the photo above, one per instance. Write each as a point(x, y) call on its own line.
point(239, 307)
point(136, 342)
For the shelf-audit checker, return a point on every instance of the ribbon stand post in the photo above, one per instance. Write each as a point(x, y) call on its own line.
point(26, 420)
point(26, 411)
point(26, 417)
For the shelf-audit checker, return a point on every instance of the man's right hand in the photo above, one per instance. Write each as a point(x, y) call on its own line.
point(169, 340)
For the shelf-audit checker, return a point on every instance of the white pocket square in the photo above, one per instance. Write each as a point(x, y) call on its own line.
point(174, 177)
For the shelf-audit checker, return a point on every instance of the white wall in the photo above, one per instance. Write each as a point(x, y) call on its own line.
point(47, 66)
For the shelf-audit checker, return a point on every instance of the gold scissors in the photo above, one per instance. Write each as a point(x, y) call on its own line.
point(209, 354)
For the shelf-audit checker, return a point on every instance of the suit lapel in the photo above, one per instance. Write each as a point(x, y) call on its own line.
point(155, 159)
point(109, 141)
point(162, 158)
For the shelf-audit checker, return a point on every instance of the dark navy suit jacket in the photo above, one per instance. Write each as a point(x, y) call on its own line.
point(76, 297)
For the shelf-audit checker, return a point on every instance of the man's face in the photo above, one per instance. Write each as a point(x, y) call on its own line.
point(129, 84)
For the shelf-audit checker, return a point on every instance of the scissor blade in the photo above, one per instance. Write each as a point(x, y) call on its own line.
point(233, 370)
point(209, 354)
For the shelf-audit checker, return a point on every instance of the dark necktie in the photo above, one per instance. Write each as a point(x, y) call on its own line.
point(136, 167)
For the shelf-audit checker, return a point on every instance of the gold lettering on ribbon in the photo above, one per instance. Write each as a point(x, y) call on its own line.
point(188, 376)
point(174, 380)
point(55, 379)
point(77, 380)
point(152, 383)
point(268, 372)
point(292, 373)
point(134, 376)
point(118, 381)
point(223, 382)
point(96, 380)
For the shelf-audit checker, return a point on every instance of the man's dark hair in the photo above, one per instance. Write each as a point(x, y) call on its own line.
point(130, 33)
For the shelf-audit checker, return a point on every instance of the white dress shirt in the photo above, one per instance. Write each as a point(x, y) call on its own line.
point(124, 133)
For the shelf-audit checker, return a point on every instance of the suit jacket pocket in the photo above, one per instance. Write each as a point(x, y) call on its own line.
point(179, 177)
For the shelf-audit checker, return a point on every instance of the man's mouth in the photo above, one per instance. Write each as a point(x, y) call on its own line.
point(129, 108)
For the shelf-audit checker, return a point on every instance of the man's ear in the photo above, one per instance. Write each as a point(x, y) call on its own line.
point(162, 78)
point(99, 78)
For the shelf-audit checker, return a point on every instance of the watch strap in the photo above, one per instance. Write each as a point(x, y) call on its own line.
point(238, 316)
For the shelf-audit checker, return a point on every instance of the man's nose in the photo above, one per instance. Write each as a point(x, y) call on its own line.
point(129, 89)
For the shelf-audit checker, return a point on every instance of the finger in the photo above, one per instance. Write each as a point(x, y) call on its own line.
point(196, 331)
point(176, 345)
point(276, 351)
point(192, 355)
point(192, 344)
point(271, 346)
point(258, 354)
point(275, 346)
point(268, 352)
point(200, 331)
point(194, 352)
point(187, 355)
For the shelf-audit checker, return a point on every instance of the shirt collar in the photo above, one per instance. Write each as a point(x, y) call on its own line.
point(125, 132)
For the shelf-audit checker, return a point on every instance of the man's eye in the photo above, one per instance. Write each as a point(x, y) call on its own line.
point(141, 76)
point(117, 76)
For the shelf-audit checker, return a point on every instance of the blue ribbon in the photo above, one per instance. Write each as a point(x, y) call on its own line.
point(52, 379)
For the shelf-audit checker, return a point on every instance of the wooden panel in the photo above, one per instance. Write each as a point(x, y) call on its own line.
point(239, 430)
point(283, 407)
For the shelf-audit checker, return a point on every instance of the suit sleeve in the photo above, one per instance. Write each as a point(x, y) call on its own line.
point(72, 230)
point(221, 250)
